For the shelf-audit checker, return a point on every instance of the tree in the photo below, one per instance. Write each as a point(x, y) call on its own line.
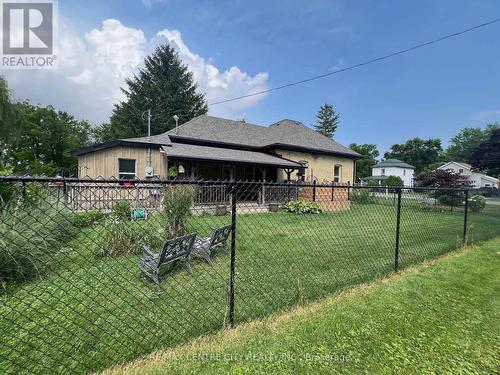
point(393, 181)
point(364, 165)
point(417, 152)
point(486, 156)
point(165, 86)
point(462, 145)
point(327, 120)
point(443, 179)
point(46, 140)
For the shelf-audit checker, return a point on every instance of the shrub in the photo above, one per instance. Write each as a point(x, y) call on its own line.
point(477, 203)
point(363, 196)
point(302, 207)
point(122, 211)
point(126, 238)
point(118, 239)
point(30, 239)
point(393, 181)
point(450, 198)
point(177, 208)
point(87, 219)
point(7, 188)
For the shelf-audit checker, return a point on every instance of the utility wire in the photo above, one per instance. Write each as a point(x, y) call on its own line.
point(385, 57)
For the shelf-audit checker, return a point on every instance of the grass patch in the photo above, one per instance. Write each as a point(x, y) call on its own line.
point(441, 317)
point(91, 312)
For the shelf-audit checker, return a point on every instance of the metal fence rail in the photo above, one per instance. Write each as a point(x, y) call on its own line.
point(97, 272)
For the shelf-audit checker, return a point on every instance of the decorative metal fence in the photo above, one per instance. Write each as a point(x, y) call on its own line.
point(95, 273)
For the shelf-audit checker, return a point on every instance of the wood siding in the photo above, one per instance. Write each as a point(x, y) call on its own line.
point(104, 163)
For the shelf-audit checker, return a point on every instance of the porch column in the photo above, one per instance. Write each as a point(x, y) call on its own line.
point(263, 189)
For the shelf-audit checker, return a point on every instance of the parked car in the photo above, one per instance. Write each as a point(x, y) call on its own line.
point(489, 192)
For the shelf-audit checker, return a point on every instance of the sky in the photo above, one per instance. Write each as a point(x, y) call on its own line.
point(240, 47)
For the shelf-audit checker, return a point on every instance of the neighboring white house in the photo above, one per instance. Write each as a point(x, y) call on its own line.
point(393, 167)
point(477, 179)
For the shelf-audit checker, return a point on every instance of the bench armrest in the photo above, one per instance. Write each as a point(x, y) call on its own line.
point(146, 250)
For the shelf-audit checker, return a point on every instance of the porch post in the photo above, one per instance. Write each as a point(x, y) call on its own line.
point(263, 189)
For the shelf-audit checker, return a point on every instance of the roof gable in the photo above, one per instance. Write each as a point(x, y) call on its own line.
point(282, 133)
point(239, 134)
point(396, 163)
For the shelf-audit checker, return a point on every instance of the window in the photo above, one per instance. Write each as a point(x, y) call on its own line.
point(337, 173)
point(126, 169)
point(404, 172)
point(460, 170)
point(383, 171)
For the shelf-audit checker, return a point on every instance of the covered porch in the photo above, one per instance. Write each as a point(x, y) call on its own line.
point(196, 162)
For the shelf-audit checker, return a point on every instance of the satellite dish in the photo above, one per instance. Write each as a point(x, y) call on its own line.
point(149, 171)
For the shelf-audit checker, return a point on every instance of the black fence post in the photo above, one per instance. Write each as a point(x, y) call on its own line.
point(233, 255)
point(398, 231)
point(333, 192)
point(314, 191)
point(466, 216)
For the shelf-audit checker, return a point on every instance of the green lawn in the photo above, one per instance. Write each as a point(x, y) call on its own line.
point(89, 313)
point(441, 317)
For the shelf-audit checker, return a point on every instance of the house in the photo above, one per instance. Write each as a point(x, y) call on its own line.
point(393, 167)
point(477, 179)
point(213, 148)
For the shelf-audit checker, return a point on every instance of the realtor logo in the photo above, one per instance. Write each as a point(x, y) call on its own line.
point(28, 34)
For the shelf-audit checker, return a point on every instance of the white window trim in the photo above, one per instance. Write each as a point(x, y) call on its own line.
point(133, 175)
point(337, 178)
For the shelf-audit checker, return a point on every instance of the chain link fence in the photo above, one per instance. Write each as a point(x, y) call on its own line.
point(98, 272)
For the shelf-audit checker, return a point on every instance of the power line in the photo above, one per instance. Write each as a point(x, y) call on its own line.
point(385, 57)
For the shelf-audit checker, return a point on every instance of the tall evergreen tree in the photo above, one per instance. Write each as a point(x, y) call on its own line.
point(327, 120)
point(165, 86)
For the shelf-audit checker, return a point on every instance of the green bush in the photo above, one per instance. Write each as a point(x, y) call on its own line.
point(302, 207)
point(88, 219)
point(363, 196)
point(177, 204)
point(477, 203)
point(393, 181)
point(7, 188)
point(30, 239)
point(122, 211)
point(126, 238)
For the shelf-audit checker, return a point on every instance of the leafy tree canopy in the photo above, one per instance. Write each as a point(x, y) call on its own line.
point(364, 165)
point(327, 120)
point(417, 152)
point(486, 156)
point(463, 144)
point(165, 86)
point(442, 179)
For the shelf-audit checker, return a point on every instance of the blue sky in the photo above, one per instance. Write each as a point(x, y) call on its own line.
point(431, 92)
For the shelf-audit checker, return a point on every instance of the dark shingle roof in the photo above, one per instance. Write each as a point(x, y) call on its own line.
point(286, 134)
point(197, 152)
point(283, 133)
point(393, 163)
point(160, 139)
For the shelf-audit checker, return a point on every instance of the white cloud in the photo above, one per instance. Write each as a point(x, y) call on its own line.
point(215, 84)
point(92, 69)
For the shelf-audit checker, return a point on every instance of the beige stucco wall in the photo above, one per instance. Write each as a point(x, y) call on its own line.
point(104, 163)
point(319, 166)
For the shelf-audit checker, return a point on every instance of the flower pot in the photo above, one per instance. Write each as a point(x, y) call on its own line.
point(273, 207)
point(220, 210)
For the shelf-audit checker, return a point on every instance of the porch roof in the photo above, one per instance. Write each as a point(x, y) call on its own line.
point(181, 151)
